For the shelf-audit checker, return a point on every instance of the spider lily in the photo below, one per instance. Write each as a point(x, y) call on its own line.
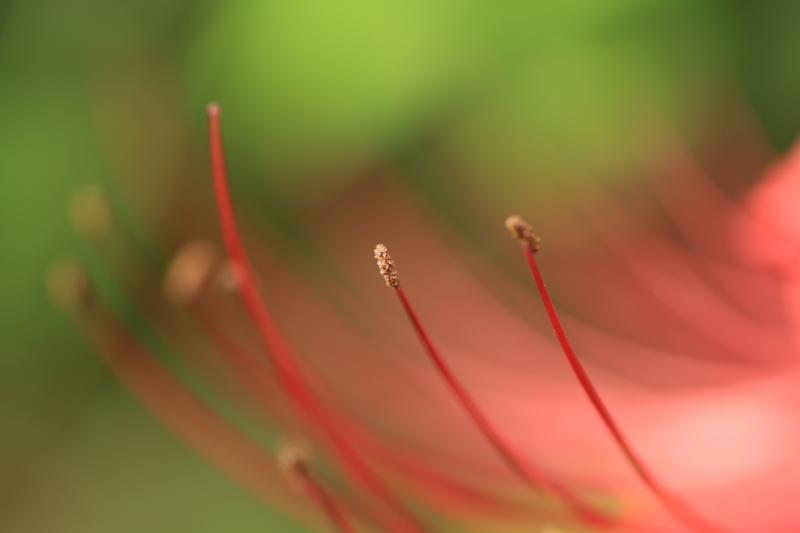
point(682, 334)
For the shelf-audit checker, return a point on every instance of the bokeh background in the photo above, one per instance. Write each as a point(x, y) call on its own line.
point(476, 102)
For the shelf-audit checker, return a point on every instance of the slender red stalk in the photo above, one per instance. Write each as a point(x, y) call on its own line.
point(676, 505)
point(200, 426)
point(300, 472)
point(523, 469)
point(434, 484)
point(179, 409)
point(289, 373)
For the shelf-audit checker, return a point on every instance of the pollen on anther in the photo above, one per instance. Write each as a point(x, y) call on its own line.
point(189, 271)
point(523, 232)
point(386, 266)
point(294, 463)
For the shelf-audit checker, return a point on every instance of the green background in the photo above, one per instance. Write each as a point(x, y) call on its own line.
point(312, 90)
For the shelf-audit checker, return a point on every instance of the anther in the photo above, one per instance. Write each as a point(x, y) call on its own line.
point(190, 271)
point(386, 266)
point(680, 509)
point(523, 232)
point(294, 463)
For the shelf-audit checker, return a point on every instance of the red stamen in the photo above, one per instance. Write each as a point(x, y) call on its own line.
point(209, 434)
point(289, 374)
point(296, 467)
point(523, 469)
point(676, 505)
point(187, 415)
point(435, 485)
point(180, 410)
point(188, 275)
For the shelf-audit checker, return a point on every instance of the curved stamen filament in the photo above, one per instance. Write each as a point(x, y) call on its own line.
point(212, 436)
point(676, 505)
point(523, 469)
point(186, 283)
point(297, 469)
point(289, 373)
point(202, 428)
point(424, 478)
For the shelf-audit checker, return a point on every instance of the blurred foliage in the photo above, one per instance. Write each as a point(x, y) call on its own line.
point(314, 91)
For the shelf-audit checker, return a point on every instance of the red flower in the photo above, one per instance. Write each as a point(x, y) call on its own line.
point(682, 332)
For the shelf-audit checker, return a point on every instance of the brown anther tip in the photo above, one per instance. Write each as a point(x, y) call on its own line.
point(523, 232)
point(386, 266)
point(69, 287)
point(90, 213)
point(294, 464)
point(189, 271)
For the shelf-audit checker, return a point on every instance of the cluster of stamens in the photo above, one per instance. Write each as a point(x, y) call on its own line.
point(197, 264)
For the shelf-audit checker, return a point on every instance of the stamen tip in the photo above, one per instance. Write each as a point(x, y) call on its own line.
point(294, 463)
point(213, 109)
point(189, 271)
point(386, 266)
point(523, 232)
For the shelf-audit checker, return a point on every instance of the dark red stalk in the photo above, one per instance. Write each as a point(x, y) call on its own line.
point(676, 505)
point(277, 349)
point(523, 469)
